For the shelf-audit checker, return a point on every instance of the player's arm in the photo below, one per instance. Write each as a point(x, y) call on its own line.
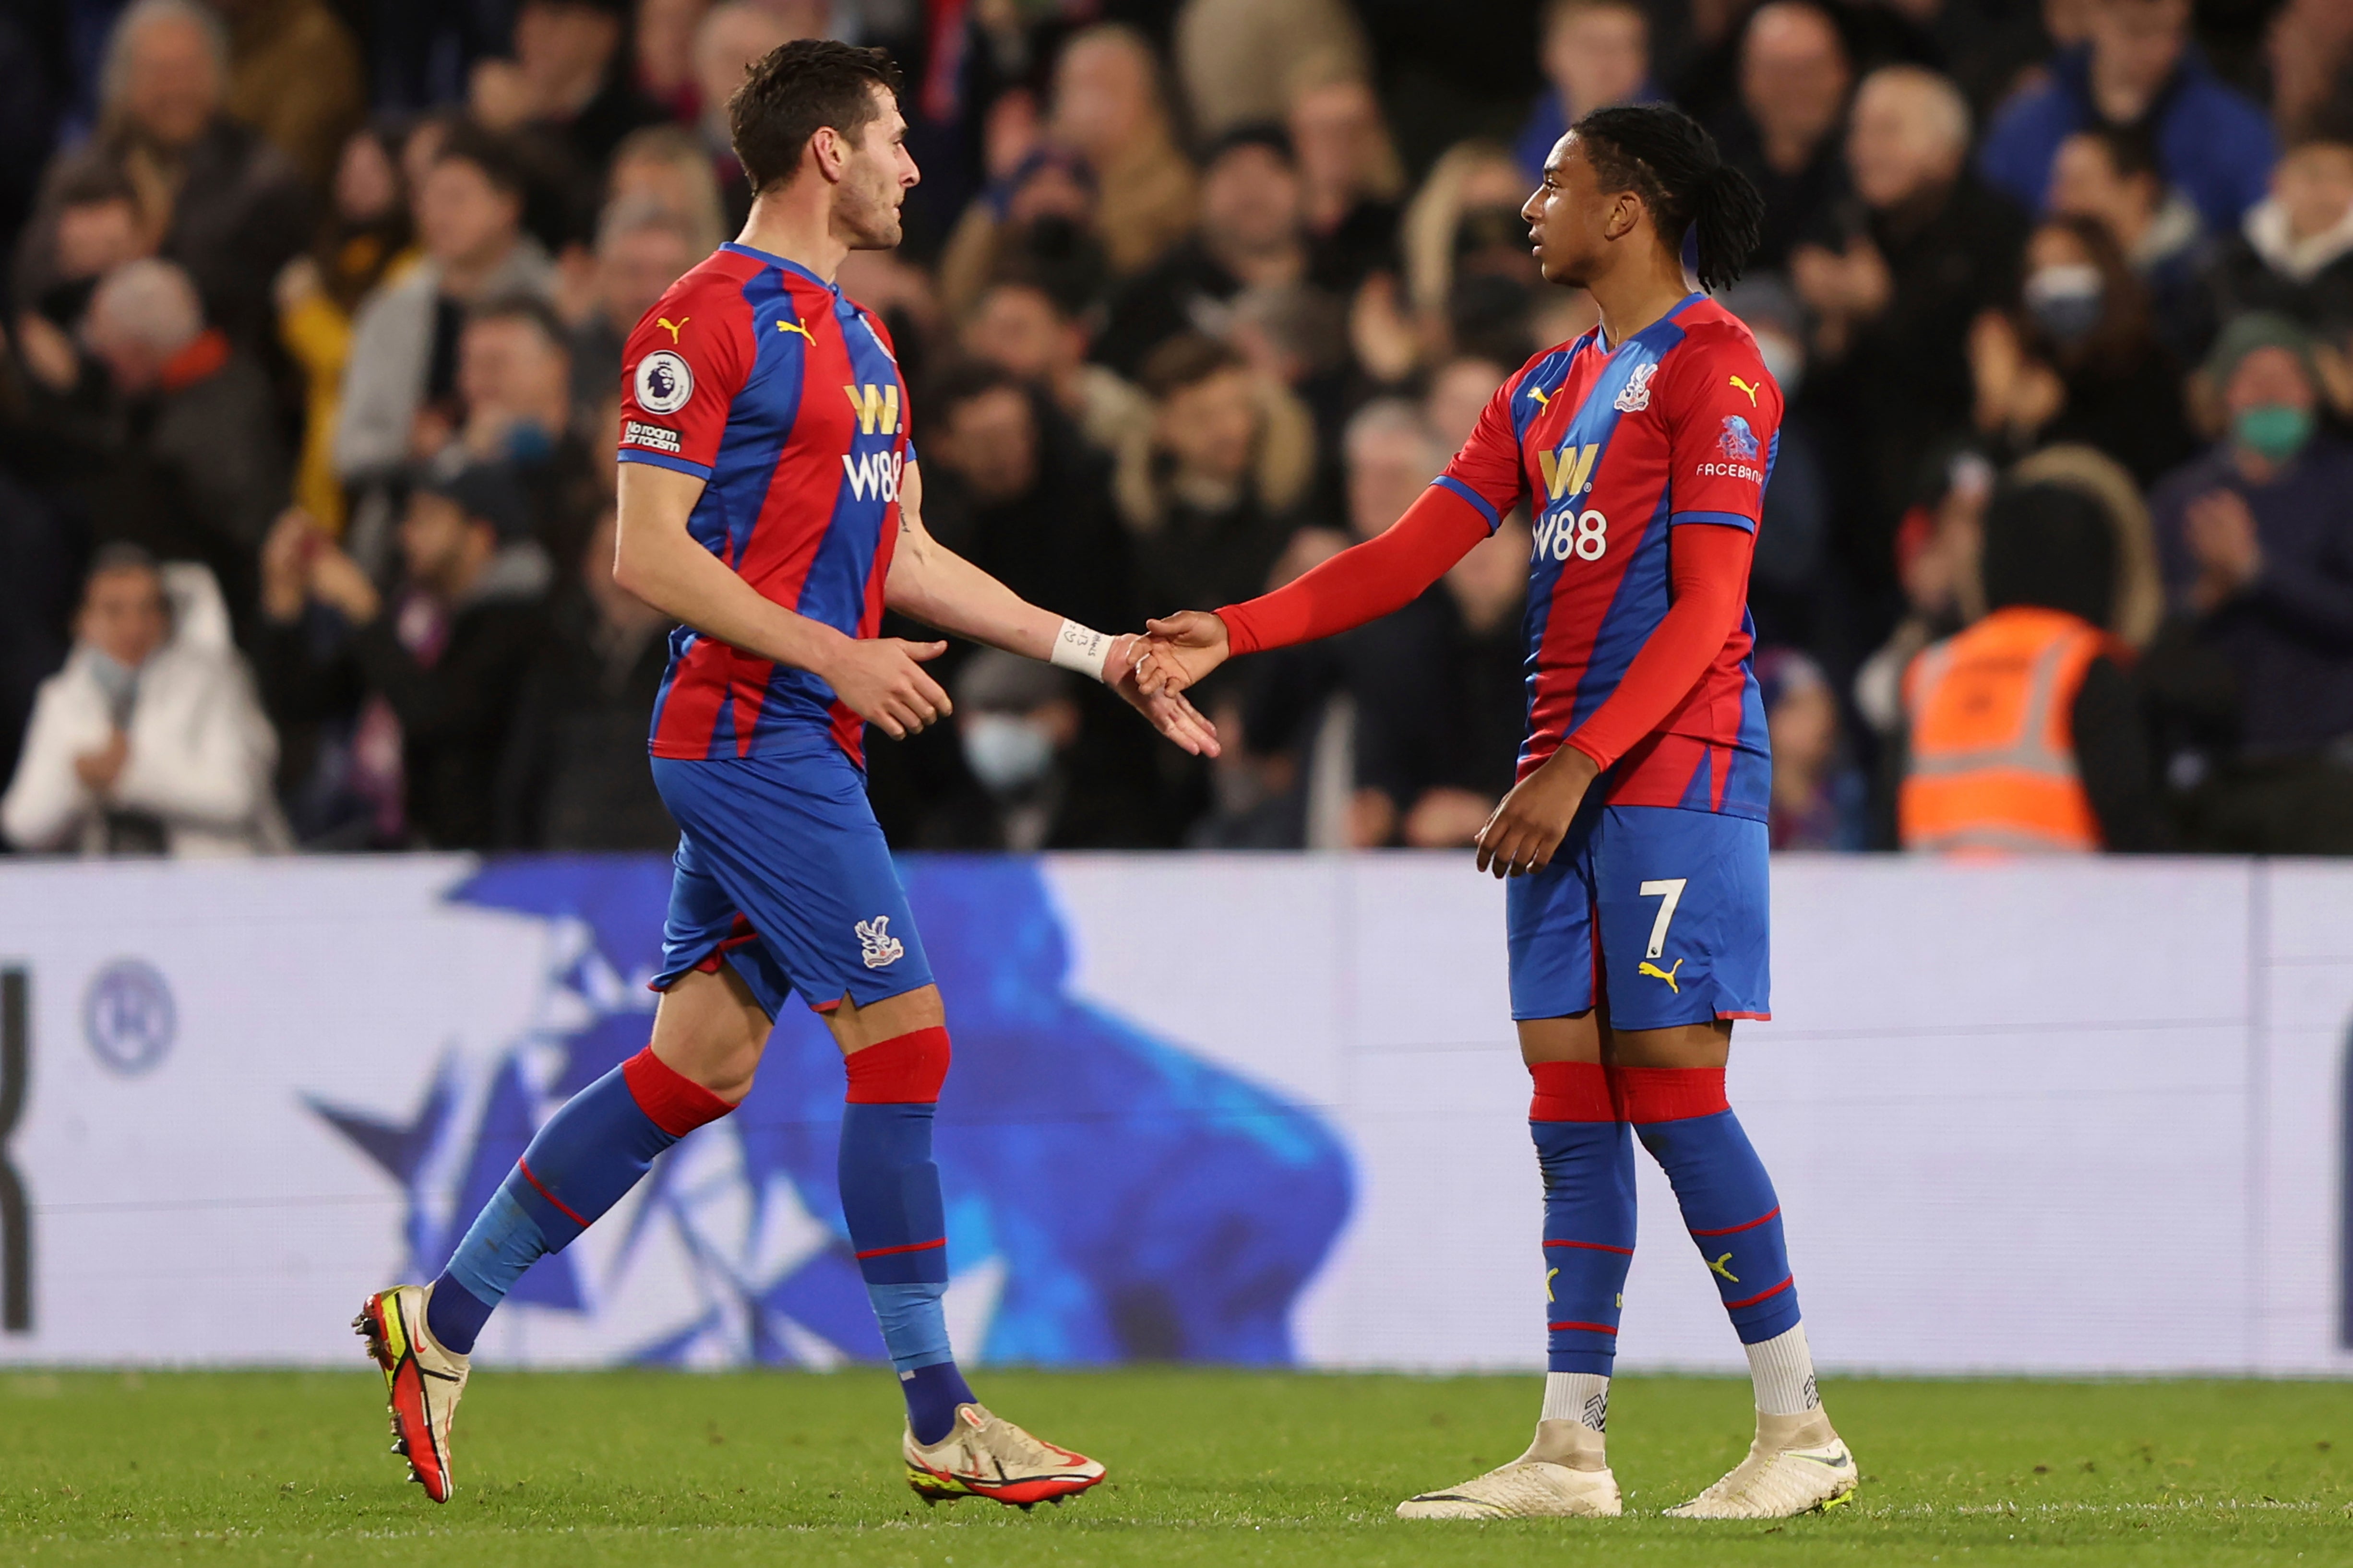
point(933, 585)
point(1462, 507)
point(882, 681)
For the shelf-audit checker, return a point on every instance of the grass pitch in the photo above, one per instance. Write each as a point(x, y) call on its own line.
point(641, 1469)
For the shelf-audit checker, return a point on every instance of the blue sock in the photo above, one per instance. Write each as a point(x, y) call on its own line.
point(1727, 1200)
point(898, 1225)
point(1588, 1228)
point(597, 1146)
point(455, 1315)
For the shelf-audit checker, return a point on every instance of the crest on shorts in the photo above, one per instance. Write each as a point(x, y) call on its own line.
point(880, 949)
point(1736, 440)
point(1636, 396)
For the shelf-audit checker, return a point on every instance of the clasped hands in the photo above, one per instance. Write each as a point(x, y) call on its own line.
point(1518, 841)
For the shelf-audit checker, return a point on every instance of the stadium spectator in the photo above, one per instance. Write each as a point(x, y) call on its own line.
point(197, 408)
point(1041, 214)
point(149, 742)
point(1458, 392)
point(2078, 358)
point(1475, 190)
point(99, 222)
point(1207, 494)
point(403, 359)
point(1108, 108)
point(574, 775)
point(1795, 76)
point(1594, 53)
point(1821, 799)
point(294, 76)
point(231, 207)
point(1028, 785)
point(2111, 176)
point(642, 248)
point(567, 84)
point(2023, 734)
point(2256, 537)
point(1029, 328)
point(2140, 68)
point(2293, 255)
point(431, 677)
point(1350, 180)
point(1252, 235)
point(729, 37)
point(1929, 250)
point(367, 238)
point(665, 166)
point(1240, 61)
point(662, 55)
point(1006, 488)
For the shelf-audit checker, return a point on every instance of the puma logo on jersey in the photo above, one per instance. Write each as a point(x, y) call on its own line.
point(1567, 471)
point(1751, 388)
point(674, 328)
point(1655, 973)
point(877, 408)
point(796, 326)
point(875, 475)
point(1543, 398)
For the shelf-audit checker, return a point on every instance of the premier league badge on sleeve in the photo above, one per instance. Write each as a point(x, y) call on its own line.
point(664, 384)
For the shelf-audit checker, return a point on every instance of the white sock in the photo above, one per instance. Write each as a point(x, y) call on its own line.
point(1578, 1396)
point(1783, 1370)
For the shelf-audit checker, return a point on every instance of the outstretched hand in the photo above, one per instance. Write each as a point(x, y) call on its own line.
point(1168, 712)
point(1180, 651)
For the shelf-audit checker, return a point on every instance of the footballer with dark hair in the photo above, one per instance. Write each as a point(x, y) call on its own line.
point(770, 501)
point(1634, 840)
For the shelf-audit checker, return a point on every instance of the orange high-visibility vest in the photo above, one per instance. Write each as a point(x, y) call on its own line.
point(1993, 765)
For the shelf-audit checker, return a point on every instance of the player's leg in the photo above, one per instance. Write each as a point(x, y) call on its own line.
point(1684, 913)
point(708, 1030)
point(1586, 1159)
point(813, 874)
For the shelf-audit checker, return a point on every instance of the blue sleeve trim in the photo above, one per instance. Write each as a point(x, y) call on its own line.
point(1726, 519)
point(1495, 521)
point(663, 460)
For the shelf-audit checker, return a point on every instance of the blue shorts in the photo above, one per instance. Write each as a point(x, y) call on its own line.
point(782, 867)
point(1681, 902)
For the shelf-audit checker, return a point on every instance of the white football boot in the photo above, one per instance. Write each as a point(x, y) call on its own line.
point(989, 1457)
point(1796, 1465)
point(424, 1382)
point(1563, 1475)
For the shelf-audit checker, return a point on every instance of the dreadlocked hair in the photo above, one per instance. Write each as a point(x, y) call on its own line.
point(1667, 158)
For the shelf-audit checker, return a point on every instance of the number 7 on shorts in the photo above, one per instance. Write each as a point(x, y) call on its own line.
point(1670, 893)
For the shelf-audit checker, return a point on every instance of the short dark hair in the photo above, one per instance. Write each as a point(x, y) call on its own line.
point(121, 556)
point(1189, 359)
point(493, 154)
point(95, 181)
point(794, 90)
point(968, 382)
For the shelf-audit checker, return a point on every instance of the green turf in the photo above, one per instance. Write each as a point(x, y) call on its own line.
point(1207, 1467)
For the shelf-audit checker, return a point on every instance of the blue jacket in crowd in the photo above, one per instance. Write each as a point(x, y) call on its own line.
point(2212, 142)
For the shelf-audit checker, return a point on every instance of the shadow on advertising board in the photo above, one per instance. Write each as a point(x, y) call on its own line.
point(1130, 1200)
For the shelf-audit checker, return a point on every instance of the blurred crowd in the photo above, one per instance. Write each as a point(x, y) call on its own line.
point(315, 310)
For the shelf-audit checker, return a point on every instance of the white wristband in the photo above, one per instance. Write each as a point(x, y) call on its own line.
point(1081, 649)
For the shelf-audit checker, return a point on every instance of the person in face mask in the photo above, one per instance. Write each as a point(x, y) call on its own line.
point(1019, 727)
point(2078, 358)
point(146, 742)
point(2256, 537)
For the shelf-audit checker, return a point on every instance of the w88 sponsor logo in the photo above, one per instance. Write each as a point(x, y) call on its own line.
point(1565, 532)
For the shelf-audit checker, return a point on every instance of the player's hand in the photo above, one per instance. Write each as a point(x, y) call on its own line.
point(881, 679)
point(1180, 652)
point(1526, 829)
point(1169, 712)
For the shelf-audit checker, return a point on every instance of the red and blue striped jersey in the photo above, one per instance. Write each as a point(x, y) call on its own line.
point(757, 376)
point(1614, 448)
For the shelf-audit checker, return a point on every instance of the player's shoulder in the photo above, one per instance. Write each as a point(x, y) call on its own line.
point(1713, 334)
point(708, 296)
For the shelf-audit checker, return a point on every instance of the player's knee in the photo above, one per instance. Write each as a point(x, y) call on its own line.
point(855, 1028)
